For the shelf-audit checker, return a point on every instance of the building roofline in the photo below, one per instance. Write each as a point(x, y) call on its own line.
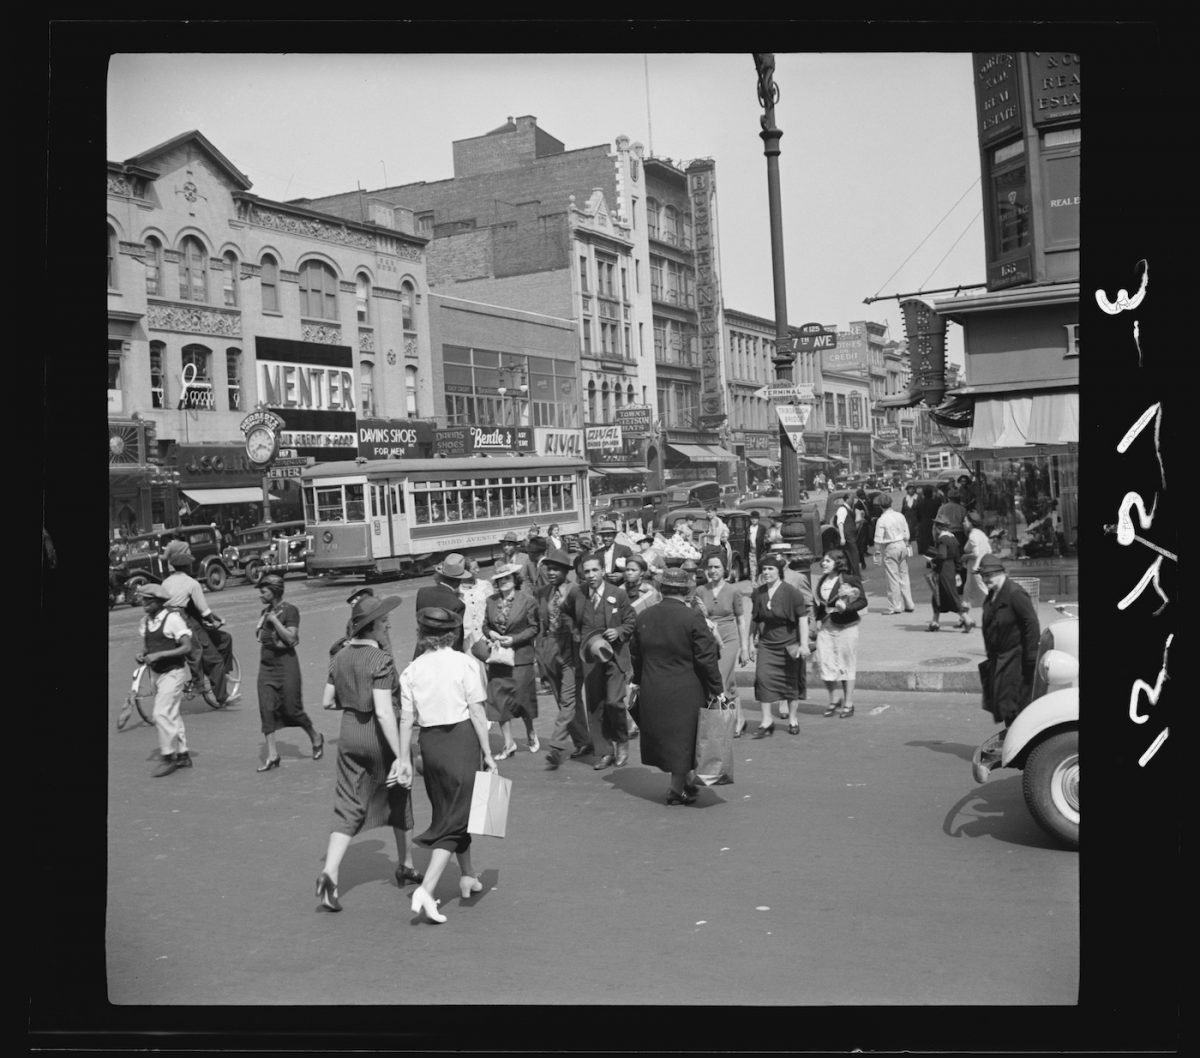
point(316, 214)
point(1042, 295)
point(470, 305)
point(231, 170)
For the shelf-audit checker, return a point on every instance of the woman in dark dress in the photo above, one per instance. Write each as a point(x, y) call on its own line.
point(442, 691)
point(720, 602)
point(510, 620)
point(945, 568)
point(676, 672)
point(927, 508)
point(361, 680)
point(280, 703)
point(779, 643)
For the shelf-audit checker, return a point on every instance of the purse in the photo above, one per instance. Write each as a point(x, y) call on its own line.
point(499, 655)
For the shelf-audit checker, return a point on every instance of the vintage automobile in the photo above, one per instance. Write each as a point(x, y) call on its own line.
point(770, 510)
point(1043, 740)
point(273, 547)
point(144, 563)
point(628, 506)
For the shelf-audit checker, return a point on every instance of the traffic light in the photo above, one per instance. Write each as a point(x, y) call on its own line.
point(925, 333)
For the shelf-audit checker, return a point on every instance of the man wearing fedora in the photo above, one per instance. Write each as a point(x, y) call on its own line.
point(606, 622)
point(443, 592)
point(612, 555)
point(1010, 636)
point(513, 556)
point(557, 650)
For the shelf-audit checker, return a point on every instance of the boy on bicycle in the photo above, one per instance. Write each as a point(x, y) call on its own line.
point(167, 643)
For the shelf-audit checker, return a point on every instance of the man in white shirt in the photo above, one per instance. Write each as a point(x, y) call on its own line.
point(212, 649)
point(891, 536)
point(847, 530)
point(166, 645)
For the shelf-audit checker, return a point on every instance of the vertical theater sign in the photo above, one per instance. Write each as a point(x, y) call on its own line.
point(702, 189)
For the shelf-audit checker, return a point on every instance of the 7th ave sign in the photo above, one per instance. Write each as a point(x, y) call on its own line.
point(813, 338)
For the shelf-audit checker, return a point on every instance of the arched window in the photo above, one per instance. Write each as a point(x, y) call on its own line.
point(196, 389)
point(362, 298)
point(233, 377)
point(616, 396)
point(158, 376)
point(193, 271)
point(112, 259)
point(270, 284)
point(366, 374)
point(318, 291)
point(229, 279)
point(630, 396)
point(410, 391)
point(605, 404)
point(591, 402)
point(652, 216)
point(407, 306)
point(670, 224)
point(153, 262)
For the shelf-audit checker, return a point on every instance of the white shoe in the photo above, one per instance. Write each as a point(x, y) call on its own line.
point(422, 901)
point(534, 745)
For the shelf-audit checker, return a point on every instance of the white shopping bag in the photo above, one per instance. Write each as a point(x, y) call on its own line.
point(489, 804)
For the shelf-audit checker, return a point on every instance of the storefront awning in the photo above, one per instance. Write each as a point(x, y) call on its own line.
point(606, 471)
point(702, 453)
point(215, 497)
point(1013, 421)
point(766, 464)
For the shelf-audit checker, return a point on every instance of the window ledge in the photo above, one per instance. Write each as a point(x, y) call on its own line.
point(270, 312)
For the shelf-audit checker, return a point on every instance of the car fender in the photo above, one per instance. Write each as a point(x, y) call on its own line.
point(1054, 710)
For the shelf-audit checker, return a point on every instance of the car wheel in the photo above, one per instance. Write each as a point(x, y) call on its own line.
point(1051, 786)
point(131, 588)
point(215, 577)
point(254, 570)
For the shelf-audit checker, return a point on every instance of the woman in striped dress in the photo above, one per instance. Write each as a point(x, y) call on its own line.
point(368, 793)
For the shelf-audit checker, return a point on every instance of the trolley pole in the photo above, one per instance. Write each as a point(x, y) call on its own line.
point(785, 358)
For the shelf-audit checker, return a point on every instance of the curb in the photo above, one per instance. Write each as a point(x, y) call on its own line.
point(960, 682)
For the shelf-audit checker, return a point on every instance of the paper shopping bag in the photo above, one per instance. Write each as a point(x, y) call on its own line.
point(714, 745)
point(489, 804)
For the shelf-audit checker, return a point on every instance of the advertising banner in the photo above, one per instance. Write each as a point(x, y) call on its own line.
point(394, 439)
point(634, 418)
point(548, 441)
point(469, 440)
point(603, 438)
point(997, 95)
point(847, 358)
point(702, 189)
point(312, 386)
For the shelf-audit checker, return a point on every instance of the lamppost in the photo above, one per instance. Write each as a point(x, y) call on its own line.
point(784, 358)
point(515, 374)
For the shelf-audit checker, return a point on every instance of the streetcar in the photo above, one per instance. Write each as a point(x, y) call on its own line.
point(391, 517)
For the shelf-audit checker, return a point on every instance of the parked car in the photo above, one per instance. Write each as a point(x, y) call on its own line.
point(692, 494)
point(770, 510)
point(144, 563)
point(730, 494)
point(256, 551)
point(626, 506)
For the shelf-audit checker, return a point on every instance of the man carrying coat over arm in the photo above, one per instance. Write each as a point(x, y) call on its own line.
point(1010, 635)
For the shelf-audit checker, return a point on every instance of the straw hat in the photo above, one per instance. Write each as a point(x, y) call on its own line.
point(454, 567)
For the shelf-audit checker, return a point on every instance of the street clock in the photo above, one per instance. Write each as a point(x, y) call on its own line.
point(262, 444)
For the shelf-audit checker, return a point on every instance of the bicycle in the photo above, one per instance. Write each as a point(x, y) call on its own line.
point(142, 690)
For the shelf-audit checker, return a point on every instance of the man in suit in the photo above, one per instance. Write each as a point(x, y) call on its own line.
point(757, 533)
point(443, 592)
point(612, 555)
point(509, 548)
point(557, 650)
point(606, 622)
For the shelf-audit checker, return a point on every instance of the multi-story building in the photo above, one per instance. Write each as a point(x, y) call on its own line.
point(624, 245)
point(219, 301)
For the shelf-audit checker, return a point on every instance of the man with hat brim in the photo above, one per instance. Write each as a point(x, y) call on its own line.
point(443, 593)
point(604, 614)
point(1010, 636)
point(676, 673)
point(557, 650)
point(512, 555)
point(612, 555)
point(167, 642)
point(212, 649)
point(650, 554)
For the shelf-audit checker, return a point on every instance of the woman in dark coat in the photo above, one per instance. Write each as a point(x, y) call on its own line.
point(510, 620)
point(927, 508)
point(1010, 635)
point(945, 568)
point(676, 671)
point(779, 643)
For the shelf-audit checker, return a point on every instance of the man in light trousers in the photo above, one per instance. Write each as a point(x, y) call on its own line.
point(891, 537)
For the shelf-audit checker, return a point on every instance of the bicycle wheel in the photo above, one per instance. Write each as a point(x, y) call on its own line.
point(142, 692)
point(233, 685)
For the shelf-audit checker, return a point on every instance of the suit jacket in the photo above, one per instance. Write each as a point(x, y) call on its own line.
point(759, 544)
point(522, 624)
point(848, 616)
point(620, 552)
point(614, 612)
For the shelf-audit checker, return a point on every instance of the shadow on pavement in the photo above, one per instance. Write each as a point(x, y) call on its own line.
point(997, 810)
point(366, 861)
point(956, 749)
point(652, 785)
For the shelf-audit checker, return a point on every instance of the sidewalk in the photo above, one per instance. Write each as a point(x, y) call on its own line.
point(897, 653)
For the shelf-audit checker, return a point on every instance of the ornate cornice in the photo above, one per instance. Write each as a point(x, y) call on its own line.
point(321, 332)
point(133, 249)
point(310, 227)
point(251, 271)
point(346, 287)
point(386, 294)
point(192, 319)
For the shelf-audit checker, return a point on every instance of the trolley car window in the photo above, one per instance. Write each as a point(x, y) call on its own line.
point(329, 505)
point(465, 500)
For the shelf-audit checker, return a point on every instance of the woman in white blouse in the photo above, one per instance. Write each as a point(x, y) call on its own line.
point(442, 690)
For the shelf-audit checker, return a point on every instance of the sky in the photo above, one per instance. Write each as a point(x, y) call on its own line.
point(879, 163)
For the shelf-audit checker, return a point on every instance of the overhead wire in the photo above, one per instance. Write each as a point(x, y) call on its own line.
point(921, 286)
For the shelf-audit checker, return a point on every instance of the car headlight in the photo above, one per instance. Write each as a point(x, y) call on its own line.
point(1059, 669)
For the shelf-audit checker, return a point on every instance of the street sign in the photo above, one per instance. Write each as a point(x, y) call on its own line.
point(793, 418)
point(785, 391)
point(286, 453)
point(295, 461)
point(279, 473)
point(814, 337)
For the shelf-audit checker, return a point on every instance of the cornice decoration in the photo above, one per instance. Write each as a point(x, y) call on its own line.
point(366, 341)
point(251, 271)
point(386, 294)
point(408, 252)
point(307, 226)
point(410, 347)
point(289, 277)
point(188, 319)
point(346, 287)
point(321, 332)
point(134, 249)
point(172, 256)
point(119, 185)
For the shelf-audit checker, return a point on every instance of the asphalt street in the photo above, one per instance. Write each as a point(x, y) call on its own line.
point(856, 863)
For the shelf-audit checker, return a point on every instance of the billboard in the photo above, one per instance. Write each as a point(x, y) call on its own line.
point(312, 387)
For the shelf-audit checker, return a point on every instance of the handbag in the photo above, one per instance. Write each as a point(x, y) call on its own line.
point(793, 650)
point(714, 743)
point(499, 655)
point(489, 804)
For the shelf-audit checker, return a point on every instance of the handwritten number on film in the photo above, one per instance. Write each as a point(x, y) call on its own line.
point(1125, 530)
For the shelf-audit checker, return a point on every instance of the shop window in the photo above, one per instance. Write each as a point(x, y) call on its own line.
point(196, 388)
point(410, 391)
point(269, 284)
point(112, 259)
point(193, 271)
point(153, 263)
point(318, 291)
point(229, 280)
point(233, 378)
point(158, 389)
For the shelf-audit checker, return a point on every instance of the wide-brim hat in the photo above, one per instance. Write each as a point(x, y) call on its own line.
point(357, 594)
point(598, 648)
point(989, 564)
point(368, 609)
point(606, 527)
point(557, 557)
point(505, 569)
point(438, 619)
point(454, 566)
point(155, 591)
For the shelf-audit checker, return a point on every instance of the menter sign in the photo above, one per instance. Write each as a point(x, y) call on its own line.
point(313, 385)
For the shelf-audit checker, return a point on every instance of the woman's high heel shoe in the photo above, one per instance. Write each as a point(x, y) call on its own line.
point(405, 875)
point(468, 885)
point(506, 752)
point(845, 711)
point(422, 901)
point(833, 708)
point(793, 728)
point(271, 762)
point(319, 747)
point(327, 891)
point(765, 732)
point(739, 728)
